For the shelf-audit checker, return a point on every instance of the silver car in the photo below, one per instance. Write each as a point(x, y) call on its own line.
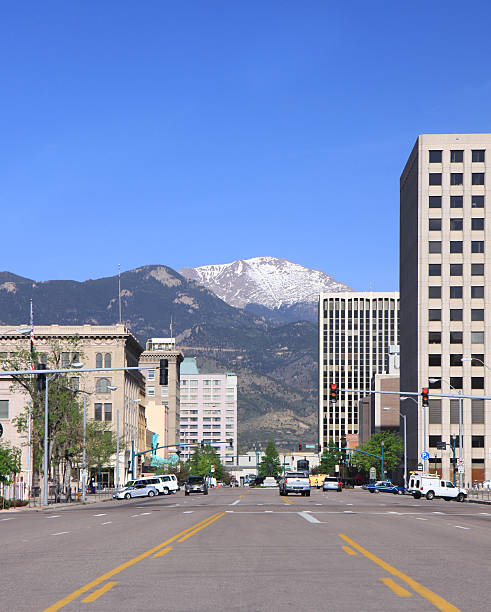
point(136, 490)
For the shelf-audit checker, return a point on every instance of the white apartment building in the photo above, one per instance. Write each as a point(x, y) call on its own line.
point(445, 269)
point(208, 411)
point(356, 331)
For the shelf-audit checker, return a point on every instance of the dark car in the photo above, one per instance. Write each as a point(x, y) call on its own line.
point(385, 486)
point(196, 484)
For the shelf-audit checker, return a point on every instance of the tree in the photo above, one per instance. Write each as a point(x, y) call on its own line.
point(331, 457)
point(270, 463)
point(101, 445)
point(202, 460)
point(393, 451)
point(9, 462)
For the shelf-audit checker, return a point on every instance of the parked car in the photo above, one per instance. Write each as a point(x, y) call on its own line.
point(331, 483)
point(164, 483)
point(432, 486)
point(196, 484)
point(136, 490)
point(385, 486)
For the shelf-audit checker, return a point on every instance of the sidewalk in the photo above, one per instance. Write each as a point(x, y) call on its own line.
point(90, 499)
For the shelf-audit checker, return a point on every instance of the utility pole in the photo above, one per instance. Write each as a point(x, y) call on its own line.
point(84, 462)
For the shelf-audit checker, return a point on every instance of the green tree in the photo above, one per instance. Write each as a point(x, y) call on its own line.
point(270, 463)
point(202, 460)
point(393, 451)
point(9, 462)
point(101, 445)
point(331, 457)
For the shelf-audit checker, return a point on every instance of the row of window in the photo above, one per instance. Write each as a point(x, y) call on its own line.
point(456, 178)
point(456, 246)
point(456, 156)
point(103, 412)
point(456, 224)
point(101, 359)
point(456, 292)
point(476, 441)
point(456, 337)
point(456, 201)
point(456, 314)
point(435, 359)
point(456, 269)
point(435, 412)
point(477, 382)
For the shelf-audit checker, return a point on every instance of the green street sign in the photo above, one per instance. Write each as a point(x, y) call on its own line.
point(310, 446)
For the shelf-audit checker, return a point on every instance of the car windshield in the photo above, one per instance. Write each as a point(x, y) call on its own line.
point(195, 479)
point(330, 479)
point(130, 483)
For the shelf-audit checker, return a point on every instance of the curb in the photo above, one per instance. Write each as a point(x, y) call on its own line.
point(479, 501)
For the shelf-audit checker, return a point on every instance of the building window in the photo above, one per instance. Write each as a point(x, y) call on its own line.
point(434, 337)
point(477, 246)
point(434, 314)
point(456, 178)
point(457, 156)
point(477, 441)
point(477, 201)
point(477, 292)
point(477, 269)
point(478, 155)
point(434, 292)
point(4, 409)
point(477, 223)
point(456, 382)
point(102, 385)
point(98, 360)
point(478, 178)
point(456, 337)
point(456, 201)
point(477, 337)
point(435, 201)
point(107, 360)
point(98, 412)
point(151, 391)
point(434, 411)
point(456, 314)
point(151, 376)
point(456, 225)
point(455, 293)
point(435, 246)
point(108, 412)
point(433, 440)
point(75, 383)
point(456, 359)
point(436, 157)
point(477, 382)
point(435, 360)
point(454, 411)
point(477, 408)
point(435, 178)
point(455, 269)
point(65, 360)
point(434, 225)
point(456, 246)
point(435, 269)
point(477, 314)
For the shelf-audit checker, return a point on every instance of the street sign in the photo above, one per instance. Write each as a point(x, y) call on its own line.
point(373, 473)
point(212, 469)
point(310, 446)
point(425, 455)
point(460, 461)
point(441, 445)
point(461, 469)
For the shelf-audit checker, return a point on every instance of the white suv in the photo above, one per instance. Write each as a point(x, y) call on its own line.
point(431, 486)
point(164, 483)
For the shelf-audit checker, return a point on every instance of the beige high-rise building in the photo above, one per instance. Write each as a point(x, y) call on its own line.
point(446, 296)
point(356, 331)
point(162, 391)
point(108, 395)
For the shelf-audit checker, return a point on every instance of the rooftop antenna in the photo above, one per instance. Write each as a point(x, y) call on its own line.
point(31, 325)
point(171, 327)
point(370, 284)
point(119, 290)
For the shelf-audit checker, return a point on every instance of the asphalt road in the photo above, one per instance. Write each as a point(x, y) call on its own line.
point(249, 550)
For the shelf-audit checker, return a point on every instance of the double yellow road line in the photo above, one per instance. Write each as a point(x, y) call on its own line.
point(156, 551)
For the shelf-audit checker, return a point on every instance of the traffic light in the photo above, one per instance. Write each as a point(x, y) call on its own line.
point(333, 393)
point(41, 378)
point(319, 448)
point(230, 442)
point(343, 442)
point(424, 395)
point(299, 446)
point(202, 444)
point(164, 372)
point(178, 452)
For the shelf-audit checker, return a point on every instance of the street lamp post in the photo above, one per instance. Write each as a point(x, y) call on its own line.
point(84, 462)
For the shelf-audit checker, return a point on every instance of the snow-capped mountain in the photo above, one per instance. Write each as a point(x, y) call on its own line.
point(269, 282)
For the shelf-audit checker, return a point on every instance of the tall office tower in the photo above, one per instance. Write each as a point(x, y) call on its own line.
point(356, 331)
point(445, 290)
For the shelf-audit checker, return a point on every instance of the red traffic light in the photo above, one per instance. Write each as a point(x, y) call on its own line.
point(333, 393)
point(424, 396)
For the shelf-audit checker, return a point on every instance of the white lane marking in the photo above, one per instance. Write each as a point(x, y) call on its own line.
point(11, 518)
point(349, 504)
point(259, 504)
point(486, 513)
point(268, 511)
point(460, 527)
point(103, 514)
point(60, 533)
point(188, 511)
point(145, 513)
point(348, 512)
point(435, 512)
point(419, 518)
point(318, 504)
point(235, 502)
point(393, 512)
point(54, 516)
point(133, 515)
point(229, 511)
point(307, 517)
point(106, 523)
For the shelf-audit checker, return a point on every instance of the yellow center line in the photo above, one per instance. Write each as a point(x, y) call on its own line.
point(288, 501)
point(96, 594)
point(162, 552)
point(396, 588)
point(433, 598)
point(349, 550)
point(90, 585)
point(191, 533)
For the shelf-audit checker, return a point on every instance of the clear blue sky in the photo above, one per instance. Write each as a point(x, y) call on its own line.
point(190, 133)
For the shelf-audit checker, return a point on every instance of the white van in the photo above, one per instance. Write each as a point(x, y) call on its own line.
point(431, 485)
point(164, 483)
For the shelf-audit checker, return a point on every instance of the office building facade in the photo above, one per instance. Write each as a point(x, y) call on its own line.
point(445, 297)
point(356, 331)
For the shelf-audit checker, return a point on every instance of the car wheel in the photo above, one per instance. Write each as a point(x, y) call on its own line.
point(151, 494)
point(186, 492)
point(127, 496)
point(371, 490)
point(286, 493)
point(307, 494)
point(430, 495)
point(205, 492)
point(417, 495)
point(166, 491)
point(460, 497)
point(400, 492)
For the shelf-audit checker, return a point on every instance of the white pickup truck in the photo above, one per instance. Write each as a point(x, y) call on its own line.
point(295, 482)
